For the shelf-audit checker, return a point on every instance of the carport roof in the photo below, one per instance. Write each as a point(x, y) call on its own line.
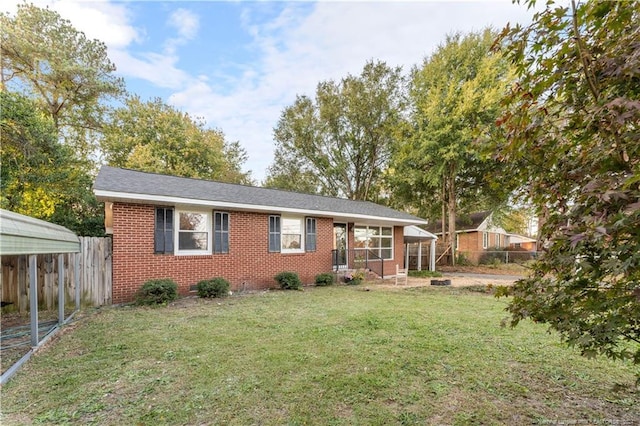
point(20, 234)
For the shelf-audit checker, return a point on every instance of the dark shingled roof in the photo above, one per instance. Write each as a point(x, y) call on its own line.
point(469, 222)
point(112, 179)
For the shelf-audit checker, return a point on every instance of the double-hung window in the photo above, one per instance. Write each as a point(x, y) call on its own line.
point(485, 240)
point(292, 235)
point(163, 235)
point(194, 232)
point(220, 232)
point(287, 234)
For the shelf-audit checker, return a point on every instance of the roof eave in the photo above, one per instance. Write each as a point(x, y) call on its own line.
point(113, 196)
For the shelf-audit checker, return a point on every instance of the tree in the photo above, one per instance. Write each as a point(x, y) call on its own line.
point(45, 57)
point(340, 142)
point(455, 98)
point(39, 177)
point(153, 136)
point(573, 147)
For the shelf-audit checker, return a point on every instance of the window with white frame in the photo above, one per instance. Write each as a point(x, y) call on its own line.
point(376, 239)
point(287, 234)
point(485, 240)
point(194, 232)
point(292, 234)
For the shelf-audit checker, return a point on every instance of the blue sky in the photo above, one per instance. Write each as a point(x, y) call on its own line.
point(238, 64)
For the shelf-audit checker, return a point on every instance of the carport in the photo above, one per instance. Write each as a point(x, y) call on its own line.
point(26, 236)
point(416, 235)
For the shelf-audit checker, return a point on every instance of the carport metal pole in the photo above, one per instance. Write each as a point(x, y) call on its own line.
point(77, 278)
point(60, 289)
point(33, 297)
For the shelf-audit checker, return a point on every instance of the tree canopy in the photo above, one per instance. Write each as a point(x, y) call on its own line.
point(155, 137)
point(573, 148)
point(339, 143)
point(47, 59)
point(455, 97)
point(39, 176)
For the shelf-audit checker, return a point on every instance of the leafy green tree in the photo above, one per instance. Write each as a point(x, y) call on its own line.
point(40, 177)
point(46, 58)
point(573, 146)
point(455, 97)
point(155, 137)
point(340, 142)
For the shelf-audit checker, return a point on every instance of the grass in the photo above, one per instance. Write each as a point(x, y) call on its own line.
point(425, 274)
point(335, 355)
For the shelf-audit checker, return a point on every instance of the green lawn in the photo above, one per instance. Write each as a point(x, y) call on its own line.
point(325, 356)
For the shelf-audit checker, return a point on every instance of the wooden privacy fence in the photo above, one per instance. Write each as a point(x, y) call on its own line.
point(93, 271)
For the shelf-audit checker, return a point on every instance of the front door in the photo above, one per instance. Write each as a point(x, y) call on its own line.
point(340, 245)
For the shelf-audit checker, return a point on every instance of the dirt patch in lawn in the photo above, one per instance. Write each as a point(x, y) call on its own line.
point(456, 281)
point(500, 269)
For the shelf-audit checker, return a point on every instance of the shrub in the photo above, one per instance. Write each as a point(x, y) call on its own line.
point(324, 279)
point(289, 281)
point(156, 292)
point(216, 287)
point(462, 260)
point(354, 278)
point(493, 257)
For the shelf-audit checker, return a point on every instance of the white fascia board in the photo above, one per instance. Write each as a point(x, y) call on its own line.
point(162, 199)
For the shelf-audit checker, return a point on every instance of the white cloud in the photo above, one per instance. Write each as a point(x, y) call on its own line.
point(158, 69)
point(107, 22)
point(185, 22)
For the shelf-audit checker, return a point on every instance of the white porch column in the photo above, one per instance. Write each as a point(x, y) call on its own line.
point(406, 256)
point(420, 255)
point(432, 255)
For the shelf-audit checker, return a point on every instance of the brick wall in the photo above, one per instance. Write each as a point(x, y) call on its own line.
point(248, 265)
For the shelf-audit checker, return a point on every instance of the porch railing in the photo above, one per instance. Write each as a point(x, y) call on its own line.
point(357, 259)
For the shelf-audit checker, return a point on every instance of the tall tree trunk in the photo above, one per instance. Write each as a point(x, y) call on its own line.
point(452, 211)
point(444, 212)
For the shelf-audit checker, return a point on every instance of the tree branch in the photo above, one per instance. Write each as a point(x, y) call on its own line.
point(583, 58)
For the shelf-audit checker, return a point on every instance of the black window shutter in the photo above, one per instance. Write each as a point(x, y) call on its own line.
point(274, 233)
point(163, 234)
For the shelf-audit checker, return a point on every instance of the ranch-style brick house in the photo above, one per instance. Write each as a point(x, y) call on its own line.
point(192, 229)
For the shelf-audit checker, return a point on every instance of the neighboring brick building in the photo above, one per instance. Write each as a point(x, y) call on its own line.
point(191, 229)
point(475, 234)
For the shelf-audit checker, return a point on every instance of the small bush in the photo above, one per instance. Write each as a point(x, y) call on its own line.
point(354, 278)
point(216, 287)
point(462, 260)
point(157, 292)
point(289, 281)
point(324, 279)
